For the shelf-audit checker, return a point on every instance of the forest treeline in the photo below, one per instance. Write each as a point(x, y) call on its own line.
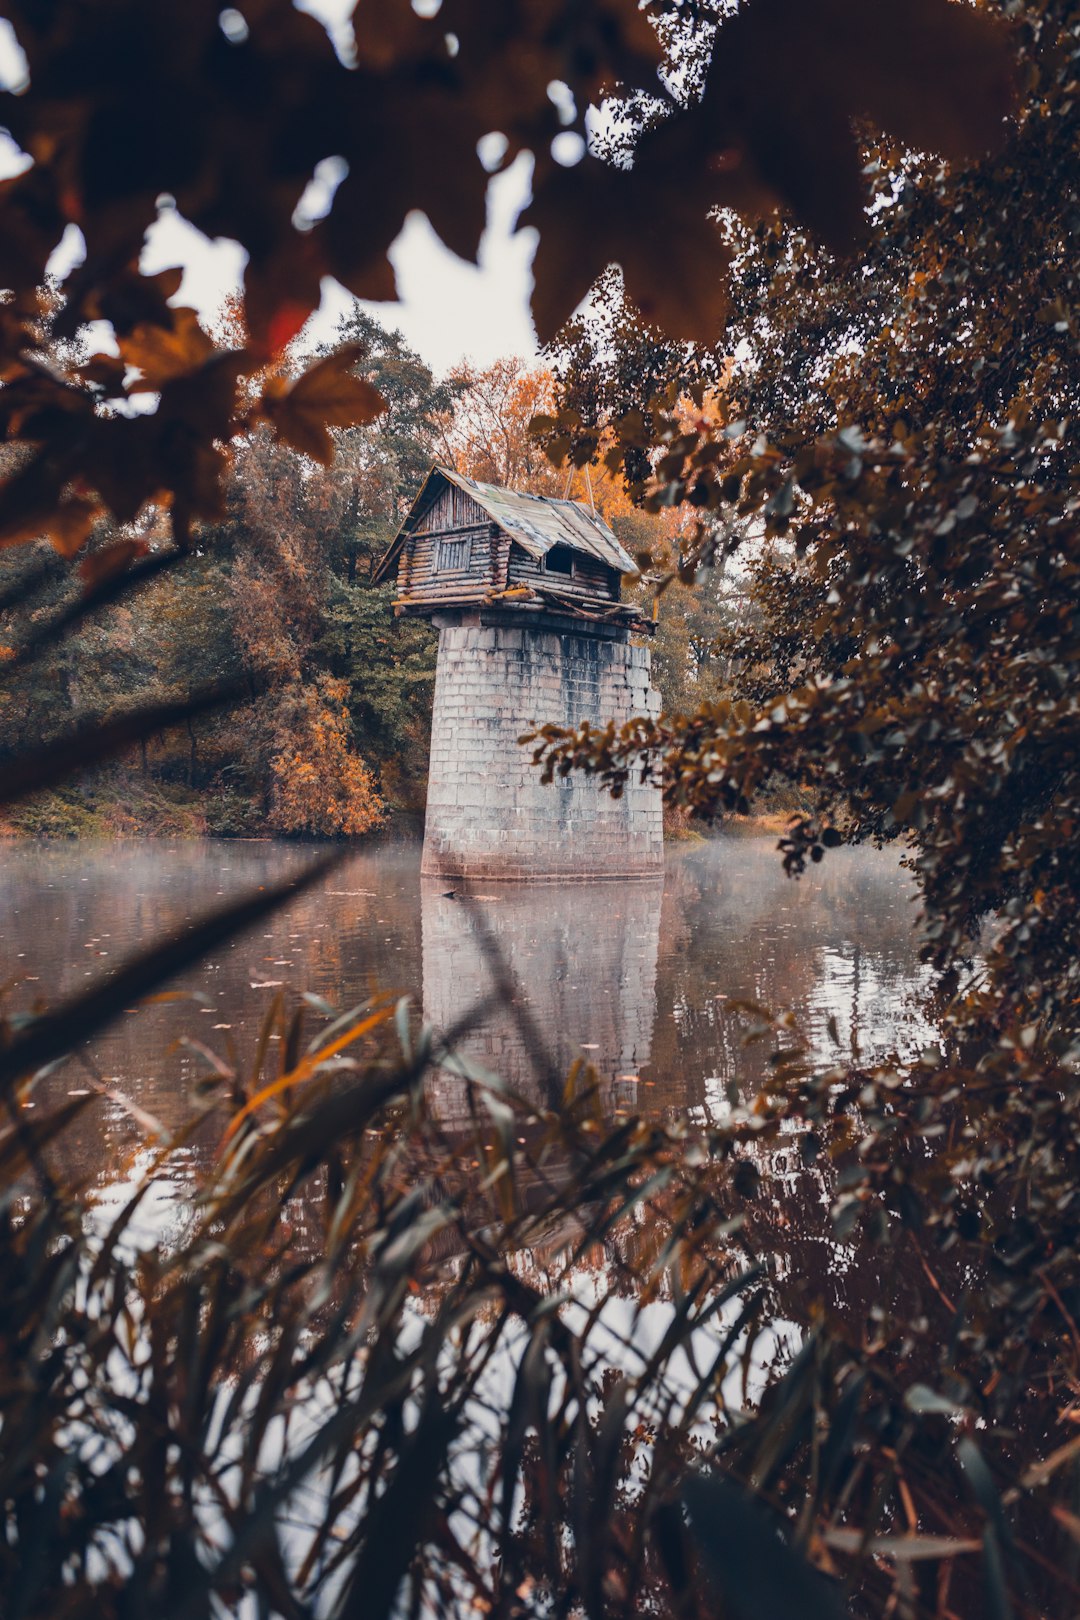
point(275, 601)
point(329, 730)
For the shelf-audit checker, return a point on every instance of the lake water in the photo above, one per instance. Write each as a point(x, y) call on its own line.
point(637, 978)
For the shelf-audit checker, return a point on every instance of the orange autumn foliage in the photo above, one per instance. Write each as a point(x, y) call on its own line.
point(320, 784)
point(486, 433)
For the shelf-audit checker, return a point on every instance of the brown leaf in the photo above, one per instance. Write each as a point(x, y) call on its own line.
point(326, 395)
point(70, 524)
point(568, 260)
point(162, 353)
point(692, 304)
point(281, 290)
point(426, 137)
point(31, 506)
point(131, 299)
point(31, 224)
point(780, 122)
point(673, 259)
point(388, 32)
point(104, 564)
point(37, 404)
point(133, 460)
point(105, 371)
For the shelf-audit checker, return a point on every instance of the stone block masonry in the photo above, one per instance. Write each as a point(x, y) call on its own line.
point(489, 815)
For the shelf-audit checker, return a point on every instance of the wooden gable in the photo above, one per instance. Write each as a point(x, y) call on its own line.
point(453, 552)
point(451, 509)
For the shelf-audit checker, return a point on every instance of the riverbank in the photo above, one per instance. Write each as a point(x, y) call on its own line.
point(119, 805)
point(114, 803)
point(132, 808)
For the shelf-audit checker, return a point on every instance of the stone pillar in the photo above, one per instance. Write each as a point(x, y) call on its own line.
point(489, 816)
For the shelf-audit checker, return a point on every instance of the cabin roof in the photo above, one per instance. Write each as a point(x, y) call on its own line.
point(536, 522)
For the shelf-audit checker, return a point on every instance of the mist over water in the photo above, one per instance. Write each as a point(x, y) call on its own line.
point(635, 978)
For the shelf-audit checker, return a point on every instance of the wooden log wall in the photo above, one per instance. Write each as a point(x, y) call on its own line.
point(430, 571)
point(590, 581)
point(421, 573)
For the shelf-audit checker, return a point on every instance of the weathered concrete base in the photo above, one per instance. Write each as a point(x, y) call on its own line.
point(489, 816)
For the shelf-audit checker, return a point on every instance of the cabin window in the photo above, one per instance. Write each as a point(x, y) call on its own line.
point(559, 560)
point(453, 554)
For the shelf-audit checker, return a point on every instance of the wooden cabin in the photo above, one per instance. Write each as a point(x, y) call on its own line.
point(524, 591)
point(470, 545)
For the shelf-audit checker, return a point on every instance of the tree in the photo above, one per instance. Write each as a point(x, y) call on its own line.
point(906, 431)
point(306, 539)
point(908, 428)
point(275, 598)
point(319, 783)
point(485, 434)
point(234, 117)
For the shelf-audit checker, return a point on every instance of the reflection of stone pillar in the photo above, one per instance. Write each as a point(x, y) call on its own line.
point(583, 960)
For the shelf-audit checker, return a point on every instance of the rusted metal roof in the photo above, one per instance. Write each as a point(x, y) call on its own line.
point(536, 522)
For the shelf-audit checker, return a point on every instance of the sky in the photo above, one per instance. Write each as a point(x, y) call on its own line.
point(447, 309)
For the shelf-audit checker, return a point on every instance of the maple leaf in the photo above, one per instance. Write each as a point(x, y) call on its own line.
point(564, 266)
point(939, 78)
point(131, 299)
point(281, 289)
point(104, 564)
point(32, 505)
point(671, 254)
point(162, 353)
point(70, 524)
point(326, 395)
point(388, 33)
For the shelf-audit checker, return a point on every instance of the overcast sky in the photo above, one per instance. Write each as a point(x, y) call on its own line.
point(447, 309)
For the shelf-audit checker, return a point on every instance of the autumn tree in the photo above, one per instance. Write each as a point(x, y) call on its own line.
point(302, 541)
point(320, 785)
point(485, 434)
point(903, 428)
point(275, 598)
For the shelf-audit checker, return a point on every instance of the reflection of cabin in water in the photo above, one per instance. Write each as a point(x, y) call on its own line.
point(524, 591)
point(466, 544)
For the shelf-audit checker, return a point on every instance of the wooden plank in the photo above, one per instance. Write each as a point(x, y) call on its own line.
point(452, 508)
point(429, 577)
point(439, 515)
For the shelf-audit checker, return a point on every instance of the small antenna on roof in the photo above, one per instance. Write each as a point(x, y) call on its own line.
point(588, 486)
